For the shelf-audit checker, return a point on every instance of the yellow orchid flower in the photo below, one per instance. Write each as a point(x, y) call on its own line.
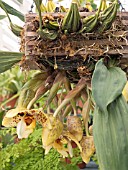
point(22, 119)
point(88, 148)
point(13, 116)
point(63, 141)
point(52, 130)
point(70, 137)
point(74, 125)
point(59, 146)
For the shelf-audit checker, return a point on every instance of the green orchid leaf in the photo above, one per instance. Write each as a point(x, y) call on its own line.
point(12, 11)
point(8, 59)
point(107, 84)
point(2, 17)
point(14, 28)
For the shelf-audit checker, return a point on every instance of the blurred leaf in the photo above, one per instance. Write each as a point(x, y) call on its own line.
point(20, 1)
point(94, 6)
point(85, 113)
point(2, 16)
point(1, 117)
point(90, 1)
point(81, 1)
point(8, 59)
point(13, 11)
point(125, 92)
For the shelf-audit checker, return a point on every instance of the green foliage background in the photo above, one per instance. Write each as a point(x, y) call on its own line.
point(29, 154)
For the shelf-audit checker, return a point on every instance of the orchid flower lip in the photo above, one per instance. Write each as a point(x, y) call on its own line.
point(24, 129)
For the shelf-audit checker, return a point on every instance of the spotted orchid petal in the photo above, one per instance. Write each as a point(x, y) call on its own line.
point(9, 122)
point(70, 137)
point(58, 145)
point(52, 132)
point(14, 112)
point(14, 116)
point(88, 147)
point(70, 149)
point(47, 149)
point(74, 126)
point(63, 153)
point(42, 118)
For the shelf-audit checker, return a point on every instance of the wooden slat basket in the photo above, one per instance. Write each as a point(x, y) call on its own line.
point(76, 52)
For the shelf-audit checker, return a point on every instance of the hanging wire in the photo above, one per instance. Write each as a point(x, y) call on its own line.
point(122, 8)
point(31, 10)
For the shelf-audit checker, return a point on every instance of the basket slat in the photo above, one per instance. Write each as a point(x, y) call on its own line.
point(31, 42)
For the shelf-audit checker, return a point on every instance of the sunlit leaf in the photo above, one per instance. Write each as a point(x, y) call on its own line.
point(125, 92)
